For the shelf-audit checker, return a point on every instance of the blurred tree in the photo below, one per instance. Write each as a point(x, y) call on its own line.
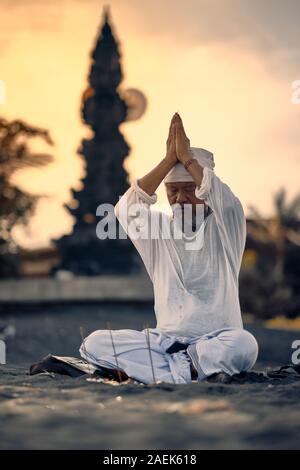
point(270, 286)
point(282, 228)
point(16, 205)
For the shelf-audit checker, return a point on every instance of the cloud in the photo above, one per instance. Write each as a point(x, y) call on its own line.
point(269, 28)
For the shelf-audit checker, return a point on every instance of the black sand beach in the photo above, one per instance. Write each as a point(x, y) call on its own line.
point(58, 412)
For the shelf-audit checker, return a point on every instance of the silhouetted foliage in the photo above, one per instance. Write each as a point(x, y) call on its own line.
point(270, 285)
point(16, 205)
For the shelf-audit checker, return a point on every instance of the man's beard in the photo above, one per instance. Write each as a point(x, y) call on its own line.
point(186, 220)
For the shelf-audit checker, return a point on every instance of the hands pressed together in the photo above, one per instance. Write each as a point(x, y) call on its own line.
point(178, 144)
point(178, 150)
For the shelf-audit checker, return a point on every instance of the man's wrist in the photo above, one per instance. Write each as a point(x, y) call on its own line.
point(169, 161)
point(186, 157)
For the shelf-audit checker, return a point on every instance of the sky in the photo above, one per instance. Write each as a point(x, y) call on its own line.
point(227, 66)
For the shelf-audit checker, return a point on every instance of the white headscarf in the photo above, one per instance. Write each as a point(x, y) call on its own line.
point(179, 173)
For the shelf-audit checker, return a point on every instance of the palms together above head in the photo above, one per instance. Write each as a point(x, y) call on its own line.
point(178, 144)
point(171, 142)
point(183, 148)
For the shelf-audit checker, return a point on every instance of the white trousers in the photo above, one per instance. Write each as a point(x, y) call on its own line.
point(230, 350)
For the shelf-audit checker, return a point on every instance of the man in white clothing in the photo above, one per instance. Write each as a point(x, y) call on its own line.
point(199, 332)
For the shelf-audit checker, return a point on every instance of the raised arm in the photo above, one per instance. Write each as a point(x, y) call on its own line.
point(184, 153)
point(150, 182)
point(227, 208)
point(133, 208)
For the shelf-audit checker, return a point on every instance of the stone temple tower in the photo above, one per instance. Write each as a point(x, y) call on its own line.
point(104, 107)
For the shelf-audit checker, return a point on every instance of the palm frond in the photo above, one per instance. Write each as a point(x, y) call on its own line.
point(33, 160)
point(254, 212)
point(293, 209)
point(293, 236)
point(280, 202)
point(258, 233)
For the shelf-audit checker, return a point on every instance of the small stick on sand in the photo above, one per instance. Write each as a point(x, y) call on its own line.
point(149, 349)
point(112, 342)
point(84, 349)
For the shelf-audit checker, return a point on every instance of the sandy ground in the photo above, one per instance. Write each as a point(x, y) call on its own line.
point(57, 412)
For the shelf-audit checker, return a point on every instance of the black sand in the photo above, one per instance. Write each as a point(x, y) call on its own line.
point(58, 412)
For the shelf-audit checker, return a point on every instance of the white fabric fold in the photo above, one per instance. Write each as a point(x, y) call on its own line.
point(145, 196)
point(228, 350)
point(203, 191)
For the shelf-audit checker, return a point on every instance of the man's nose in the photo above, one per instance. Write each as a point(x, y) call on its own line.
point(181, 197)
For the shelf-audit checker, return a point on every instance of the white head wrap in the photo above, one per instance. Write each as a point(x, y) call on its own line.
point(179, 173)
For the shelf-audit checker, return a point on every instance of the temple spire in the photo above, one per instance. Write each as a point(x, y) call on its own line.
point(105, 179)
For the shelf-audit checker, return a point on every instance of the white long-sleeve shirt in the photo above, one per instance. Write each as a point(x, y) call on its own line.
point(195, 291)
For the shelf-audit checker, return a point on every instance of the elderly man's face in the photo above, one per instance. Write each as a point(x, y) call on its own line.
point(183, 192)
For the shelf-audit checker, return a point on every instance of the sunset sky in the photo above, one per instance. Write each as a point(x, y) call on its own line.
point(227, 66)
